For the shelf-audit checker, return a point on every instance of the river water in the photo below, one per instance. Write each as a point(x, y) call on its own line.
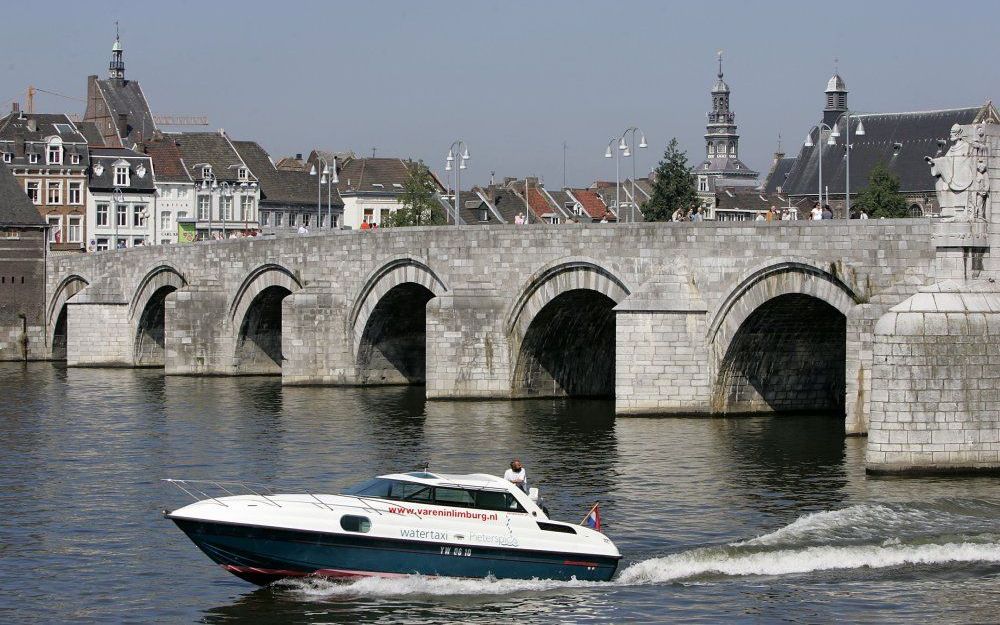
point(753, 519)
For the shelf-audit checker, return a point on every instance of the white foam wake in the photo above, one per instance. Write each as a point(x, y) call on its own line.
point(721, 561)
point(422, 585)
point(858, 522)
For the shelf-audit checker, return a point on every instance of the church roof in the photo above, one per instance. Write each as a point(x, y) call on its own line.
point(836, 83)
point(724, 166)
point(778, 174)
point(126, 97)
point(899, 140)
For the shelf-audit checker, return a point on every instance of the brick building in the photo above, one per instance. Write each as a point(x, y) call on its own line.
point(22, 273)
point(49, 158)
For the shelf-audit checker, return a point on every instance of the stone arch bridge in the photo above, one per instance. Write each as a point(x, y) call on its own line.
point(665, 318)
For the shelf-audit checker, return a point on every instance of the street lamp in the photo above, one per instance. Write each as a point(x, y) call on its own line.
point(457, 147)
point(329, 178)
point(624, 147)
point(859, 131)
point(618, 194)
point(225, 192)
point(832, 140)
point(118, 197)
point(208, 183)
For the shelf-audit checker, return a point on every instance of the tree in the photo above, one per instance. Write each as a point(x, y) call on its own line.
point(420, 206)
point(673, 187)
point(881, 198)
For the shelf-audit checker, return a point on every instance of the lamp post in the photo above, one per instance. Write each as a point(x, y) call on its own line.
point(457, 147)
point(626, 152)
point(832, 140)
point(618, 185)
point(859, 131)
point(118, 196)
point(208, 183)
point(327, 176)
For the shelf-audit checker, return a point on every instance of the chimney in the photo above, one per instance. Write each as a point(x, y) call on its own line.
point(122, 125)
point(15, 107)
point(298, 156)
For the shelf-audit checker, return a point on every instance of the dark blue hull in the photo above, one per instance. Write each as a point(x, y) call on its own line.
point(262, 555)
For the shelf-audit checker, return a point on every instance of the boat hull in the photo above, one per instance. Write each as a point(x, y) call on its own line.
point(261, 555)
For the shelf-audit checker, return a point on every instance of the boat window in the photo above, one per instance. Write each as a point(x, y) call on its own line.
point(555, 527)
point(408, 491)
point(496, 500)
point(353, 523)
point(372, 488)
point(454, 497)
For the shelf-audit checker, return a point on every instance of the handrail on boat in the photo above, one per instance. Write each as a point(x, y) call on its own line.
point(234, 488)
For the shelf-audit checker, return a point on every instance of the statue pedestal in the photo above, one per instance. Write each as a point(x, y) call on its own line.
point(962, 247)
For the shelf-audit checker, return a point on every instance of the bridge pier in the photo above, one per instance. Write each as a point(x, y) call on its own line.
point(197, 337)
point(314, 341)
point(98, 334)
point(468, 354)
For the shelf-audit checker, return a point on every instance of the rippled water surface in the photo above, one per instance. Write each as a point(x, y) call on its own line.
point(754, 519)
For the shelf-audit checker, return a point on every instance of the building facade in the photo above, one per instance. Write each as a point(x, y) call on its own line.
point(175, 199)
point(117, 106)
point(722, 150)
point(22, 279)
point(121, 202)
point(48, 156)
point(226, 191)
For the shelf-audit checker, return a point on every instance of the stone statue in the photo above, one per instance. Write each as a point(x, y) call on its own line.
point(962, 179)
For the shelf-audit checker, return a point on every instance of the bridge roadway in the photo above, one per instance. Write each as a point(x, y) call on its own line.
point(666, 318)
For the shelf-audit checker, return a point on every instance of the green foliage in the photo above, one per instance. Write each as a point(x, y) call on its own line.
point(420, 207)
point(881, 198)
point(673, 188)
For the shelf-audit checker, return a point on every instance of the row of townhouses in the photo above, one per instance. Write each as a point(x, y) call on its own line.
point(113, 178)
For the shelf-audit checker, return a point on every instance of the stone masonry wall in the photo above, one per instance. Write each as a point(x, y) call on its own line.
point(887, 259)
point(98, 334)
point(935, 398)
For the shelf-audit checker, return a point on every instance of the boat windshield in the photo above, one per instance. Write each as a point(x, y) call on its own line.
point(453, 496)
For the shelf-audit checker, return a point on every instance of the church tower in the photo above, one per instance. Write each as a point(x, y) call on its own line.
point(116, 69)
point(722, 166)
point(721, 139)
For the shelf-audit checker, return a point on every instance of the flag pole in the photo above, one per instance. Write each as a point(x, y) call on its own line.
point(584, 520)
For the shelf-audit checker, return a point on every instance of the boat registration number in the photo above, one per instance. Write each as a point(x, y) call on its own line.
point(456, 551)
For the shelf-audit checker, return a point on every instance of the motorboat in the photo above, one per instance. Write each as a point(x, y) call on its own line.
point(422, 523)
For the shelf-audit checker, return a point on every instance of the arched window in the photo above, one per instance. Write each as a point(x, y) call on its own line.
point(916, 211)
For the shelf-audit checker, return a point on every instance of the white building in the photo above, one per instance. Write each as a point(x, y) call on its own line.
point(120, 205)
point(175, 188)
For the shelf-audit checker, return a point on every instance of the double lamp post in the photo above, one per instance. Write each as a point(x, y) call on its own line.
point(859, 131)
point(626, 151)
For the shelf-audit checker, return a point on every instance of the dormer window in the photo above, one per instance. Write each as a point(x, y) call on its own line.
point(74, 159)
point(206, 172)
point(8, 157)
point(242, 173)
point(378, 185)
point(121, 175)
point(33, 157)
point(140, 171)
point(54, 154)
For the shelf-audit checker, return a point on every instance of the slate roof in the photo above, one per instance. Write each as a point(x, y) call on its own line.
point(372, 176)
point(561, 199)
point(16, 135)
point(108, 157)
point(213, 148)
point(508, 203)
point(779, 173)
point(168, 164)
point(724, 166)
point(15, 207)
point(279, 186)
point(291, 163)
point(91, 134)
point(743, 198)
point(125, 96)
point(899, 140)
point(471, 211)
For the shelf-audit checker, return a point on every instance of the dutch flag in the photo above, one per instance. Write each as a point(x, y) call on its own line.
point(593, 518)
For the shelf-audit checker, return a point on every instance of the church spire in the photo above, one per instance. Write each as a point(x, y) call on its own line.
point(116, 69)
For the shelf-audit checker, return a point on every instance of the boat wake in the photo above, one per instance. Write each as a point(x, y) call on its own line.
point(867, 536)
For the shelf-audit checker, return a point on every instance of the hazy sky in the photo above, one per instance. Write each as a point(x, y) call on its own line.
point(513, 79)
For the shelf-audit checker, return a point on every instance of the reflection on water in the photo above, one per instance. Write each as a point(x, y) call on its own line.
point(753, 518)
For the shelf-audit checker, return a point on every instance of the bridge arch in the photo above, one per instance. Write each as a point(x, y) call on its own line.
point(562, 330)
point(147, 312)
point(779, 340)
point(388, 322)
point(57, 314)
point(255, 315)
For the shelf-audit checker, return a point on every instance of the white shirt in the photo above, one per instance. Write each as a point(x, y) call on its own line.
point(817, 213)
point(517, 477)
